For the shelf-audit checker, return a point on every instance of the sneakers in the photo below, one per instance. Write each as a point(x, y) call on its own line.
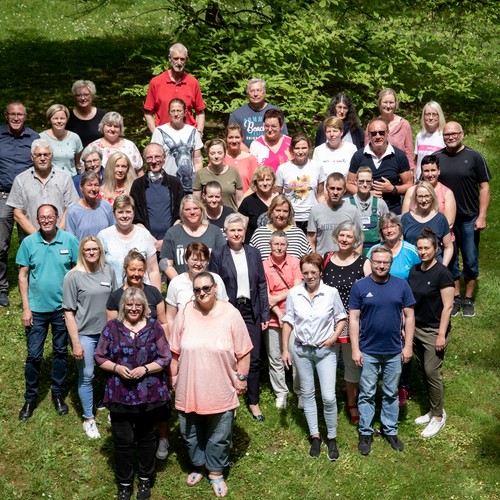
point(332, 450)
point(162, 451)
point(425, 419)
point(457, 304)
point(395, 442)
point(468, 308)
point(403, 396)
point(4, 299)
point(90, 428)
point(125, 491)
point(315, 450)
point(144, 489)
point(281, 402)
point(100, 405)
point(365, 444)
point(434, 426)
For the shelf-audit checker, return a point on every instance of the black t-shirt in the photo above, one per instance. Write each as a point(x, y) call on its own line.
point(426, 287)
point(253, 208)
point(87, 130)
point(152, 293)
point(220, 221)
point(462, 172)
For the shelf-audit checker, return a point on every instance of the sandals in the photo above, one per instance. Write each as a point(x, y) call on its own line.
point(219, 486)
point(195, 477)
point(354, 418)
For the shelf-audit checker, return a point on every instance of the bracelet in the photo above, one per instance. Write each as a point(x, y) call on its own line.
point(146, 368)
point(241, 377)
point(115, 367)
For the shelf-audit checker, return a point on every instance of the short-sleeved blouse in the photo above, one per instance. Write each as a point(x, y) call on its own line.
point(265, 156)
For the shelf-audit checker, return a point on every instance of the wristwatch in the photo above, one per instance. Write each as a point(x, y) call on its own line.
point(241, 377)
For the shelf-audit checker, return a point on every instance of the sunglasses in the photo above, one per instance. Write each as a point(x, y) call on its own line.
point(205, 289)
point(378, 132)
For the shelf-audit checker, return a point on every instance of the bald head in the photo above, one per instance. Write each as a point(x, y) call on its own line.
point(452, 136)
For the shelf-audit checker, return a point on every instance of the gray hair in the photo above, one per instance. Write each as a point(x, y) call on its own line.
point(137, 295)
point(349, 226)
point(40, 143)
point(79, 84)
point(178, 47)
point(89, 175)
point(236, 218)
point(256, 80)
point(89, 150)
point(112, 118)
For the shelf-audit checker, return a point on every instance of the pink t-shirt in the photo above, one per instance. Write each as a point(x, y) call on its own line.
point(265, 156)
point(245, 166)
point(208, 349)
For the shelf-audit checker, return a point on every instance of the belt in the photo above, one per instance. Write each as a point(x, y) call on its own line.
point(242, 301)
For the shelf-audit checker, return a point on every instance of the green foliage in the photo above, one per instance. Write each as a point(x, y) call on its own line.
point(307, 52)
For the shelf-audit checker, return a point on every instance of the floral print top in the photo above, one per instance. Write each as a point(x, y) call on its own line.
point(150, 344)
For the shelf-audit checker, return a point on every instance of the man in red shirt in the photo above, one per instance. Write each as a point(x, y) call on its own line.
point(174, 82)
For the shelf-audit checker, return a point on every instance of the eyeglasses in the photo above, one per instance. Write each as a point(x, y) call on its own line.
point(271, 127)
point(44, 218)
point(423, 197)
point(16, 115)
point(96, 161)
point(39, 155)
point(365, 182)
point(133, 307)
point(154, 158)
point(198, 261)
point(91, 250)
point(380, 263)
point(310, 273)
point(83, 96)
point(378, 132)
point(452, 134)
point(205, 289)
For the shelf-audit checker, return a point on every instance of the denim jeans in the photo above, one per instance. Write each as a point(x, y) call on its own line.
point(86, 374)
point(324, 360)
point(6, 224)
point(390, 366)
point(208, 438)
point(129, 429)
point(467, 241)
point(35, 340)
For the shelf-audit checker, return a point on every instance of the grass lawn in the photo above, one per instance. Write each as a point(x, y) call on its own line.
point(43, 49)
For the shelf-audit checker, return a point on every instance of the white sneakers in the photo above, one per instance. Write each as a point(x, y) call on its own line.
point(90, 428)
point(433, 424)
point(281, 402)
point(162, 451)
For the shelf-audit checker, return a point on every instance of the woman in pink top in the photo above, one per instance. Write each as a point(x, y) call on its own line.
point(272, 148)
point(242, 161)
point(400, 135)
point(211, 359)
point(446, 199)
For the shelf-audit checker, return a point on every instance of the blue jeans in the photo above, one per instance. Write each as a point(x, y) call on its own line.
point(467, 241)
point(86, 374)
point(35, 340)
point(324, 360)
point(208, 438)
point(391, 366)
point(6, 224)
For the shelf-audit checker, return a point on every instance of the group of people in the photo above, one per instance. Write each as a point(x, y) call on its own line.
point(345, 255)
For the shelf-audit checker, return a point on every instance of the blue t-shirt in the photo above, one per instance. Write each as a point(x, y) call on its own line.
point(404, 260)
point(412, 227)
point(381, 306)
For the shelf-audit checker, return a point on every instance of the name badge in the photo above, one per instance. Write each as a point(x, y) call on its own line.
point(64, 252)
point(105, 283)
point(365, 220)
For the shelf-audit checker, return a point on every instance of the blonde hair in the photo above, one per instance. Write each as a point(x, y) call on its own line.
point(81, 263)
point(55, 108)
point(437, 107)
point(430, 190)
point(109, 182)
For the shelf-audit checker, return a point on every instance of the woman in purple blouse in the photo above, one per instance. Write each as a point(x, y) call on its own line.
point(134, 351)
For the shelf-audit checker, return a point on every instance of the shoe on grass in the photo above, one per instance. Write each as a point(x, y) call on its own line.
point(332, 450)
point(90, 428)
point(457, 305)
point(468, 308)
point(395, 442)
point(281, 402)
point(365, 444)
point(433, 427)
point(315, 450)
point(162, 451)
point(125, 491)
point(144, 489)
point(425, 419)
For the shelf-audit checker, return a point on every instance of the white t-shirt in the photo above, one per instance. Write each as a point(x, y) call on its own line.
point(335, 160)
point(427, 144)
point(180, 290)
point(300, 185)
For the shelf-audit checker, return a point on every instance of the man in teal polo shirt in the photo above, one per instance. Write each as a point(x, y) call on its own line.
point(44, 258)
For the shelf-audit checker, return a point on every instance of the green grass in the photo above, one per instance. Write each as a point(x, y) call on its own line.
point(42, 51)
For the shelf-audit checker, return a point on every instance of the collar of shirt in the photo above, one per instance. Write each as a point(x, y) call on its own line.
point(368, 150)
